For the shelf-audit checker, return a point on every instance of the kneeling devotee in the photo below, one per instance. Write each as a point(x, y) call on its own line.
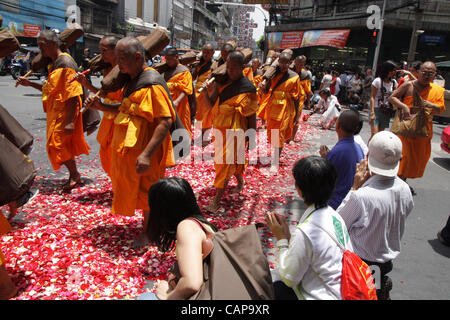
point(141, 145)
point(234, 111)
point(62, 102)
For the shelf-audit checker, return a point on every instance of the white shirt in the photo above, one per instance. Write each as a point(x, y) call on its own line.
point(338, 86)
point(359, 140)
point(350, 77)
point(311, 263)
point(390, 87)
point(326, 81)
point(375, 217)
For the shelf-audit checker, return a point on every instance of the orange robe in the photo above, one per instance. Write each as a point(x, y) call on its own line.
point(4, 229)
point(257, 79)
point(178, 84)
point(133, 128)
point(106, 131)
point(55, 93)
point(232, 115)
point(417, 151)
point(279, 107)
point(248, 73)
point(306, 91)
point(204, 113)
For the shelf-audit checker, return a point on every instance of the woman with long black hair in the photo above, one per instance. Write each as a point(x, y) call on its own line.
point(176, 222)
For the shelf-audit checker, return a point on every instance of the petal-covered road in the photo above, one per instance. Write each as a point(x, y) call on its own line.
point(70, 246)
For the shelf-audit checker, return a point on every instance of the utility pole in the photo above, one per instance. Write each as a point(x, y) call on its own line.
point(380, 37)
point(415, 33)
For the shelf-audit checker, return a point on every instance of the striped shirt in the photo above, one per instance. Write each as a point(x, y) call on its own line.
point(375, 217)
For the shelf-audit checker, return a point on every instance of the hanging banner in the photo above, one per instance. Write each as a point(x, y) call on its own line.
point(285, 40)
point(302, 39)
point(330, 38)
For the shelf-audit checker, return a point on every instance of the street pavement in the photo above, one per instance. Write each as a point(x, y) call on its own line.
point(420, 272)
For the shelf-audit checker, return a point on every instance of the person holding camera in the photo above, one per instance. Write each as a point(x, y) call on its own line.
point(382, 87)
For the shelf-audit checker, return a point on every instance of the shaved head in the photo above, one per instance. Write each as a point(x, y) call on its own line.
point(130, 54)
point(428, 65)
point(49, 36)
point(109, 41)
point(427, 73)
point(349, 122)
point(208, 46)
point(131, 46)
point(300, 58)
point(237, 57)
point(285, 56)
point(227, 47)
point(172, 52)
point(235, 65)
point(49, 42)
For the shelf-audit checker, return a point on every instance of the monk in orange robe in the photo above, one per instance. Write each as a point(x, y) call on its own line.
point(417, 151)
point(141, 145)
point(201, 74)
point(305, 91)
point(179, 81)
point(106, 129)
point(62, 103)
point(257, 74)
point(280, 107)
point(7, 287)
point(234, 111)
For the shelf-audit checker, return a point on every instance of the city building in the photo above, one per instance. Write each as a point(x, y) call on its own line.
point(423, 25)
point(25, 19)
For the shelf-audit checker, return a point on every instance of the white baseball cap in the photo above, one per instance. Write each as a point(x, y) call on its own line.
point(385, 153)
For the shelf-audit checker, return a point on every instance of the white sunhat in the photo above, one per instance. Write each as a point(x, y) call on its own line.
point(385, 153)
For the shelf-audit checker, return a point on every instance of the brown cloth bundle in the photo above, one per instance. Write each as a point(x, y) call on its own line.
point(17, 172)
point(220, 74)
point(271, 71)
point(14, 131)
point(186, 59)
point(97, 64)
point(153, 44)
point(416, 126)
point(67, 37)
point(8, 43)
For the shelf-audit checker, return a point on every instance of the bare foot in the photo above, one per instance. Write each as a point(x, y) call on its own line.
point(238, 188)
point(140, 242)
point(213, 207)
point(12, 210)
point(292, 143)
point(72, 183)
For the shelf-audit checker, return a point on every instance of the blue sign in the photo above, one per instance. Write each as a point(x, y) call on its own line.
point(18, 17)
point(436, 39)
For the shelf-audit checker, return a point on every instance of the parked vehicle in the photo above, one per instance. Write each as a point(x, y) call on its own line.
point(21, 63)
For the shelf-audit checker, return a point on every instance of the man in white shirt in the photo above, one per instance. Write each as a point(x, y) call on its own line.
point(310, 261)
point(376, 209)
point(326, 80)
